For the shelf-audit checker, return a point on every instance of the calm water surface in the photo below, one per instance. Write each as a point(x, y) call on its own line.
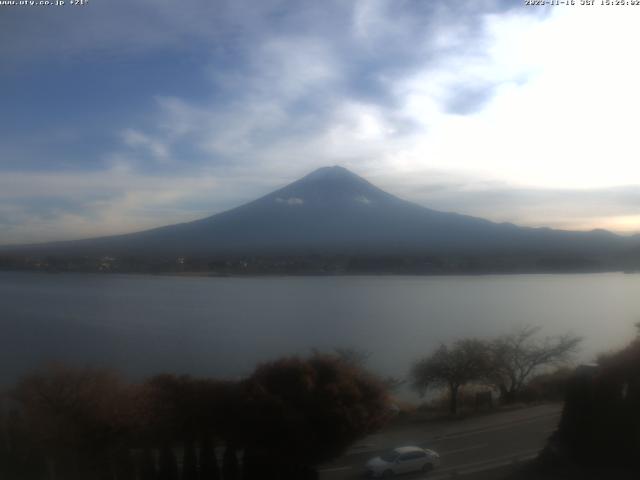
point(223, 326)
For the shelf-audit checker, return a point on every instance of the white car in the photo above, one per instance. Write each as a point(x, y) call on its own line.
point(402, 460)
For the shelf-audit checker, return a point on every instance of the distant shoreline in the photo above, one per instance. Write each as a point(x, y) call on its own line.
point(198, 274)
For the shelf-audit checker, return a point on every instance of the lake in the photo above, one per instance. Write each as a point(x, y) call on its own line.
point(222, 327)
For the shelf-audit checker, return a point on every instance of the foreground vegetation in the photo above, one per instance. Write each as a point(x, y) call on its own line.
point(600, 425)
point(296, 413)
point(290, 415)
point(599, 432)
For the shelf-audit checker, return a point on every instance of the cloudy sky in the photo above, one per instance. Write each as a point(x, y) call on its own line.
point(122, 115)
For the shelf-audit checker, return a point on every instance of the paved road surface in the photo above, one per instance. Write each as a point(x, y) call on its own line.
point(466, 447)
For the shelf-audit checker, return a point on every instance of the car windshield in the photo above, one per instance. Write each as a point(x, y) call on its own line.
point(389, 456)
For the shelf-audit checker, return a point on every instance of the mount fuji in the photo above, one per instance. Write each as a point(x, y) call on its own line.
point(334, 211)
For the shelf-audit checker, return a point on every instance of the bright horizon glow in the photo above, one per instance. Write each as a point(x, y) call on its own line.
point(570, 124)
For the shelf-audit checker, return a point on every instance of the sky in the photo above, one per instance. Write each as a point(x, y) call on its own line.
point(120, 115)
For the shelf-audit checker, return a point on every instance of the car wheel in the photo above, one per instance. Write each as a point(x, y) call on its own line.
point(387, 474)
point(427, 467)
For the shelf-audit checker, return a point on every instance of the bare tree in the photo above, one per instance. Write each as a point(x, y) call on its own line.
point(517, 356)
point(452, 367)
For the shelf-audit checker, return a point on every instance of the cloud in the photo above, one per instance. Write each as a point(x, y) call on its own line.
point(121, 27)
point(156, 147)
point(77, 205)
point(613, 208)
point(481, 107)
point(465, 99)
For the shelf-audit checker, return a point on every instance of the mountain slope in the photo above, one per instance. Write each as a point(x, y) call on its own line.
point(332, 210)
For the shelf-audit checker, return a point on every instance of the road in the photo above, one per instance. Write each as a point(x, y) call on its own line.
point(466, 447)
